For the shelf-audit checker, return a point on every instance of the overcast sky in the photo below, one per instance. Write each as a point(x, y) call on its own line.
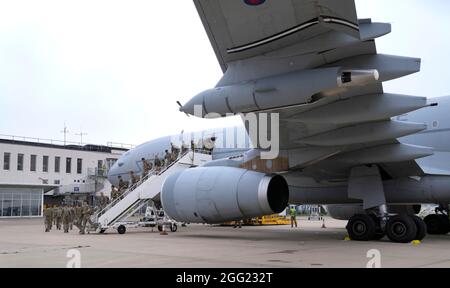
point(115, 69)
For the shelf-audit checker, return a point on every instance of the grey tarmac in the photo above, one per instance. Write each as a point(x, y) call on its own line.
point(25, 244)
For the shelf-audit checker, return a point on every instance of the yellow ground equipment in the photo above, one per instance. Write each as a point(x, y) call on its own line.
point(264, 220)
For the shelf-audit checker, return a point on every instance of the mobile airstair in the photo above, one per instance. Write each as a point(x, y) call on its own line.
point(143, 193)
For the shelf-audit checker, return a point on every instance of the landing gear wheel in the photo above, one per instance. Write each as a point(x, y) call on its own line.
point(421, 228)
point(361, 227)
point(160, 228)
point(121, 229)
point(401, 229)
point(437, 224)
point(102, 231)
point(173, 227)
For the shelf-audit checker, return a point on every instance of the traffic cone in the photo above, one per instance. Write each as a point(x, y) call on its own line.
point(323, 223)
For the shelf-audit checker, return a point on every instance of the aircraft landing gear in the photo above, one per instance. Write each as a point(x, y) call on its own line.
point(439, 223)
point(377, 222)
point(398, 228)
point(361, 227)
point(401, 229)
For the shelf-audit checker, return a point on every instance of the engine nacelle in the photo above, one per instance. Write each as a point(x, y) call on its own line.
point(221, 194)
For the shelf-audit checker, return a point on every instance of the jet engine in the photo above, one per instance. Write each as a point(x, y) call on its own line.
point(221, 194)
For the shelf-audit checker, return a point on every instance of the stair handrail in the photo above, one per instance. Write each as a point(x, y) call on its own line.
point(137, 184)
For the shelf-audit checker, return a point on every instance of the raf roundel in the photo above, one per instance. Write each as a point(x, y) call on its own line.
point(254, 2)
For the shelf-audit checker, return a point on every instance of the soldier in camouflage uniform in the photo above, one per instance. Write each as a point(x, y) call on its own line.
point(123, 185)
point(174, 151)
point(146, 166)
point(58, 217)
point(65, 218)
point(134, 178)
point(168, 158)
point(78, 215)
point(48, 219)
point(71, 216)
point(86, 213)
point(104, 201)
point(158, 163)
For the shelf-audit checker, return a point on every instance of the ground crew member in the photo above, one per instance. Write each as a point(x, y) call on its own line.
point(146, 167)
point(58, 217)
point(65, 218)
point(48, 219)
point(293, 214)
point(134, 178)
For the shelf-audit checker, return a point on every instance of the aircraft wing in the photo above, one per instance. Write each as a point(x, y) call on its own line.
point(240, 29)
point(262, 42)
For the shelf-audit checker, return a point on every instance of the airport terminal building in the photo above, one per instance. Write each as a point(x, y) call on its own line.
point(34, 172)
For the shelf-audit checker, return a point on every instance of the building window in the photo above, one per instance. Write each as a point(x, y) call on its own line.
point(57, 182)
point(100, 168)
point(69, 165)
point(20, 202)
point(6, 161)
point(57, 163)
point(79, 165)
point(20, 162)
point(45, 164)
point(33, 163)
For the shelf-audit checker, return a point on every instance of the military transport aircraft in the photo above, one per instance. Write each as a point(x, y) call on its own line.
point(372, 157)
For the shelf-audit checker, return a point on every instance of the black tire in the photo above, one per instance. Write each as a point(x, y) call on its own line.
point(102, 231)
point(401, 229)
point(173, 227)
point(437, 224)
point(361, 227)
point(160, 228)
point(121, 229)
point(421, 227)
